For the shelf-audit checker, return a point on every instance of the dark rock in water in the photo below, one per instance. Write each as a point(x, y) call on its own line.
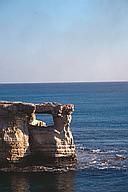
point(24, 140)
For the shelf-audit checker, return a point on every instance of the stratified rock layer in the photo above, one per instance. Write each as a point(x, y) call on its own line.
point(22, 135)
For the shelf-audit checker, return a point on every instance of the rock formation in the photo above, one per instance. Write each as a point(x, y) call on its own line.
point(22, 136)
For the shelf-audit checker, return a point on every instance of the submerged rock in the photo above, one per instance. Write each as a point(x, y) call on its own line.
point(26, 140)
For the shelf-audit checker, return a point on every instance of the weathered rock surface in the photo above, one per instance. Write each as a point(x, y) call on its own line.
point(22, 136)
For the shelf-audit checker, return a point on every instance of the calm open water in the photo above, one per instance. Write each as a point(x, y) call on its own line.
point(100, 129)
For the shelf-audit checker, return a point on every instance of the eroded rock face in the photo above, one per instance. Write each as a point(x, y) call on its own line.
point(55, 140)
point(22, 135)
point(14, 135)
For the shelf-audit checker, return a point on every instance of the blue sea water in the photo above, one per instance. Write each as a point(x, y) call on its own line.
point(100, 130)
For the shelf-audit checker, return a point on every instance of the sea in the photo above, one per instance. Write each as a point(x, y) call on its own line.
point(100, 130)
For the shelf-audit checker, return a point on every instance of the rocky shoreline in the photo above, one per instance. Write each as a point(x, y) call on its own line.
point(27, 141)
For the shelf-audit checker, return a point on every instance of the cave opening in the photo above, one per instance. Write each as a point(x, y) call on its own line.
point(47, 118)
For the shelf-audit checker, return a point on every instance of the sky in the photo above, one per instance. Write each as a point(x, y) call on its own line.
point(63, 41)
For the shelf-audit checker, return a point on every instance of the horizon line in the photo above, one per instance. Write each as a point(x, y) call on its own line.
point(59, 82)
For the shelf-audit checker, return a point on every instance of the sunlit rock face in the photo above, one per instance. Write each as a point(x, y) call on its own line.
point(22, 135)
point(14, 135)
point(55, 140)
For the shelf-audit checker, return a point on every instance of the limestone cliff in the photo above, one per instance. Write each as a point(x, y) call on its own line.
point(22, 135)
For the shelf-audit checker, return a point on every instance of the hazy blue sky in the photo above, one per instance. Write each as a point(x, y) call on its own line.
point(63, 40)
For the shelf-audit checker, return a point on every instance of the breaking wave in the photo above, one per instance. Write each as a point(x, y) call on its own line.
point(101, 159)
